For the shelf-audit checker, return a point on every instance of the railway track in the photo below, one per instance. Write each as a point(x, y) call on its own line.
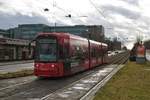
point(42, 88)
point(91, 93)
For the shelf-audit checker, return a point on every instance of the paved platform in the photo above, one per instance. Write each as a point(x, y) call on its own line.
point(15, 66)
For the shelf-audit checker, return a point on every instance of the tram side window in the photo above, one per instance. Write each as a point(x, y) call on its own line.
point(100, 52)
point(85, 53)
point(73, 52)
point(82, 52)
point(97, 53)
point(63, 51)
point(66, 51)
point(61, 55)
point(76, 52)
point(93, 52)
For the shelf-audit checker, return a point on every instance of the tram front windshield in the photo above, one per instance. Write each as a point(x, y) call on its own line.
point(46, 49)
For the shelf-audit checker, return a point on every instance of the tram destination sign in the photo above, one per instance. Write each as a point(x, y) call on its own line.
point(47, 40)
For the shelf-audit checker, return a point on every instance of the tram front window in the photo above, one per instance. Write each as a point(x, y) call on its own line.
point(46, 50)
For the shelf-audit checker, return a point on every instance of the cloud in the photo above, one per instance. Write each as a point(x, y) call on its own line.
point(1, 4)
point(8, 20)
point(132, 2)
point(122, 11)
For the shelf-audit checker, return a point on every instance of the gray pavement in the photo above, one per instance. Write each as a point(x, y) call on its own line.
point(13, 67)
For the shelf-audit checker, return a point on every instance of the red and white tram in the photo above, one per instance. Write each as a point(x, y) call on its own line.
point(62, 54)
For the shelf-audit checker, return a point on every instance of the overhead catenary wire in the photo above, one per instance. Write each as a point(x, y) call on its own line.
point(102, 14)
point(98, 10)
point(66, 12)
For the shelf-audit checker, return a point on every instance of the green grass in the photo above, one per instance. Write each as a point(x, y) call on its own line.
point(21, 73)
point(131, 83)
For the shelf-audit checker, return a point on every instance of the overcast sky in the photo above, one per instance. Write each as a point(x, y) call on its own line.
point(124, 19)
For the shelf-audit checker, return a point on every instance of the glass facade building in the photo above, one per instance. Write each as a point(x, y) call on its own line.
point(4, 33)
point(29, 31)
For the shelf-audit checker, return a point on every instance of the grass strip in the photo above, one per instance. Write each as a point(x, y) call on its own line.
point(22, 73)
point(132, 82)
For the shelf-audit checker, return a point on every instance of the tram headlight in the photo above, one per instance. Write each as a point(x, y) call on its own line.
point(36, 65)
point(52, 65)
